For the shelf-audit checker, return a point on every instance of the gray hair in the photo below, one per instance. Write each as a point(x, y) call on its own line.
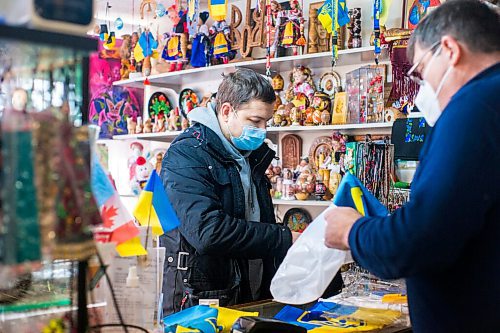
point(243, 86)
point(471, 22)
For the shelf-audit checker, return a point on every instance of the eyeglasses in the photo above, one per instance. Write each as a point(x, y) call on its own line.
point(414, 76)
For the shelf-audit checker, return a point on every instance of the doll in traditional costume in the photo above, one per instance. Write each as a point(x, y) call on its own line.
point(221, 46)
point(175, 51)
point(300, 82)
point(200, 54)
point(291, 27)
point(135, 66)
point(275, 10)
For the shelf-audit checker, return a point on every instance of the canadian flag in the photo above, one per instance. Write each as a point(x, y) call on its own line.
point(114, 214)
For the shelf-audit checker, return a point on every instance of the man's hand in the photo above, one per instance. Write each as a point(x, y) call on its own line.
point(339, 221)
point(295, 236)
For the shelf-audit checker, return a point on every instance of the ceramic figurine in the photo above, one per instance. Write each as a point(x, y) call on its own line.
point(308, 116)
point(295, 116)
point(173, 120)
point(139, 127)
point(221, 46)
point(148, 126)
point(200, 53)
point(300, 82)
point(291, 27)
point(159, 124)
point(322, 105)
point(278, 84)
point(175, 51)
point(131, 125)
point(303, 167)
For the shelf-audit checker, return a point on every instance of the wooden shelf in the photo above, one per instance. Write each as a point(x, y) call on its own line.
point(302, 203)
point(352, 129)
point(175, 80)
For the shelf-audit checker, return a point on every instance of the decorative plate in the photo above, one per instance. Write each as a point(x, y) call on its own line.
point(188, 100)
point(297, 219)
point(159, 104)
point(330, 83)
point(322, 145)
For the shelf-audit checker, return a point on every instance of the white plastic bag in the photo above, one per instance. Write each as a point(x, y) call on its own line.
point(308, 267)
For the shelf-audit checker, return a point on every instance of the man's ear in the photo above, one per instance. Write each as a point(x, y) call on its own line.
point(224, 111)
point(452, 49)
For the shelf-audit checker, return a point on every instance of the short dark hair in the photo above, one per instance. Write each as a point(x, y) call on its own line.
point(471, 22)
point(243, 86)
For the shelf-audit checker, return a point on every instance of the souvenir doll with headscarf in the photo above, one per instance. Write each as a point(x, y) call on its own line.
point(175, 51)
point(221, 46)
point(301, 82)
point(200, 53)
point(291, 27)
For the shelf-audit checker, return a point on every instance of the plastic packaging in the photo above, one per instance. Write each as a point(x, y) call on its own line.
point(134, 298)
point(308, 267)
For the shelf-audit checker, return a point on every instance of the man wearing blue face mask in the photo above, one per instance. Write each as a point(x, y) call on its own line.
point(445, 241)
point(228, 245)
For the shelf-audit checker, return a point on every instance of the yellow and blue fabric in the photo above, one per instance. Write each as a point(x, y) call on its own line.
point(154, 208)
point(146, 46)
point(199, 318)
point(218, 9)
point(227, 317)
point(331, 317)
point(352, 193)
point(384, 11)
point(325, 15)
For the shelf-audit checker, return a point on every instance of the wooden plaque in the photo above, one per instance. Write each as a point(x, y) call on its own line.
point(291, 151)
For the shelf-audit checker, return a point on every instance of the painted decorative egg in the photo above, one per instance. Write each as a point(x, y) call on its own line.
point(160, 10)
point(119, 24)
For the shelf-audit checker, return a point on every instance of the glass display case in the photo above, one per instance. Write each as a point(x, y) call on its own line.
point(365, 89)
point(43, 74)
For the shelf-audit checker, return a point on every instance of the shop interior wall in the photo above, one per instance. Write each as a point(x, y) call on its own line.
point(119, 151)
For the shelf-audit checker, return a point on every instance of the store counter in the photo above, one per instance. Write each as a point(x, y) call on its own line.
point(269, 309)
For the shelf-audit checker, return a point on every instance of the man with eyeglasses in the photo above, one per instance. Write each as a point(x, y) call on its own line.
point(446, 240)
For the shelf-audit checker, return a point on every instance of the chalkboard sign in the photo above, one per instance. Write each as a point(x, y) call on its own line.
point(408, 136)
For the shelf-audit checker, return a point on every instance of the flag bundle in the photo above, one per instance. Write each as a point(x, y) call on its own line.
point(114, 215)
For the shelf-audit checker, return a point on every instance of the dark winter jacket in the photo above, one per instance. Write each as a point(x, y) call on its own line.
point(207, 257)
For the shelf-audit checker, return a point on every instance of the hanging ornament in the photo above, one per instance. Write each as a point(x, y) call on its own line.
point(268, 37)
point(376, 28)
point(119, 24)
point(335, 48)
point(160, 10)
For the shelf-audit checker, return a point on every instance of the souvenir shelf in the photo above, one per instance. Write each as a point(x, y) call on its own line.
point(175, 80)
point(301, 203)
point(350, 129)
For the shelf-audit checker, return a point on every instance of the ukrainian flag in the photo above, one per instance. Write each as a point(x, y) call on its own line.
point(325, 15)
point(352, 193)
point(218, 9)
point(154, 208)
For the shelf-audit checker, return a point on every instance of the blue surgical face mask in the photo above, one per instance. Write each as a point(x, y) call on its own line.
point(251, 137)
